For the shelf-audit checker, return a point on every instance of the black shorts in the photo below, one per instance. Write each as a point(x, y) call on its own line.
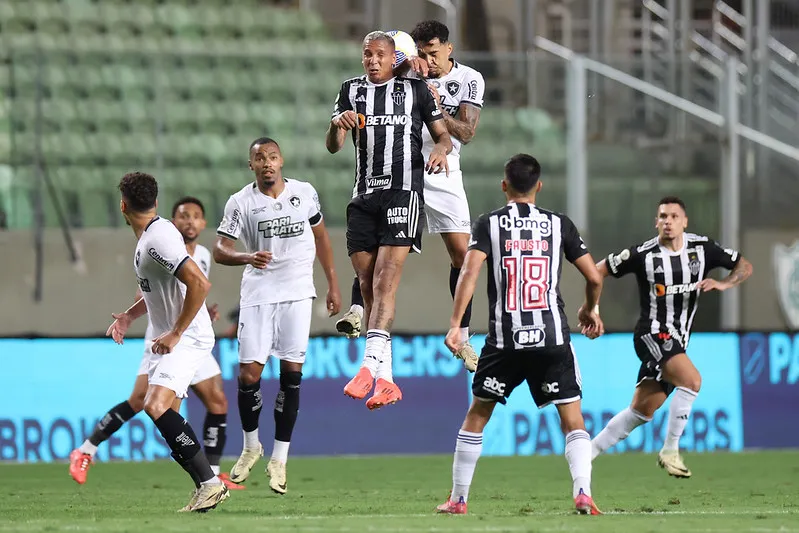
point(388, 217)
point(654, 349)
point(551, 373)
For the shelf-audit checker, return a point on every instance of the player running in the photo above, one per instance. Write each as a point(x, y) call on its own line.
point(174, 291)
point(280, 223)
point(528, 335)
point(672, 271)
point(386, 115)
point(458, 90)
point(188, 216)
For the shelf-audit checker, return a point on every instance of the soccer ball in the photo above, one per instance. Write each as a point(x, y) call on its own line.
point(404, 46)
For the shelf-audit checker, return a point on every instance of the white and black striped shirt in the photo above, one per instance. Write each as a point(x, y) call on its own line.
point(667, 280)
point(525, 246)
point(388, 139)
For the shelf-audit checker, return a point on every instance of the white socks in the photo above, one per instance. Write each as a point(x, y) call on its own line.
point(376, 340)
point(578, 455)
point(251, 439)
point(384, 370)
point(280, 451)
point(215, 469)
point(679, 411)
point(467, 452)
point(88, 447)
point(617, 430)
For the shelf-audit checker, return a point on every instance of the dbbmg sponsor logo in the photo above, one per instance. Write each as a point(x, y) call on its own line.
point(540, 224)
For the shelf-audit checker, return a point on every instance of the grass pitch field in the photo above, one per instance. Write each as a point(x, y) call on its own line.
point(729, 492)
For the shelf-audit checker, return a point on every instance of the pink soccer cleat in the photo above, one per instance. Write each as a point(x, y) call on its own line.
point(584, 504)
point(79, 464)
point(451, 507)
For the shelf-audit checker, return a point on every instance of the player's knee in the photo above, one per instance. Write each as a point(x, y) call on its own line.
point(385, 280)
point(155, 407)
point(290, 380)
point(249, 373)
point(694, 382)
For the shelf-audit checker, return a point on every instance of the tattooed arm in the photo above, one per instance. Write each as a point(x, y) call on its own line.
point(464, 126)
point(739, 274)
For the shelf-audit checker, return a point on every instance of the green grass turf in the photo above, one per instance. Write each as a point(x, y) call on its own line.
point(729, 492)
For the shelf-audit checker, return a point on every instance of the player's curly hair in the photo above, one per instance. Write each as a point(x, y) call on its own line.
point(426, 31)
point(188, 200)
point(139, 190)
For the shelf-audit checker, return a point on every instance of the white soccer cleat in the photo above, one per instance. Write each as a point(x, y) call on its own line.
point(277, 476)
point(673, 464)
point(350, 324)
point(247, 459)
point(208, 497)
point(186, 508)
point(469, 357)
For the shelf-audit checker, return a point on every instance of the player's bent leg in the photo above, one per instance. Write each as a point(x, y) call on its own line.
point(250, 405)
point(680, 372)
point(81, 458)
point(457, 244)
point(350, 323)
point(578, 455)
point(647, 399)
point(468, 447)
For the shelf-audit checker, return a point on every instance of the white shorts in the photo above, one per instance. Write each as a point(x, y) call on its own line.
point(208, 368)
point(445, 203)
point(176, 370)
point(280, 329)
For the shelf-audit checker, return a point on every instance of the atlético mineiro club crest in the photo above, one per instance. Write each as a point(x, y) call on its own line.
point(786, 267)
point(398, 96)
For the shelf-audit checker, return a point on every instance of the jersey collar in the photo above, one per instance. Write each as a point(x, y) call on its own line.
point(156, 217)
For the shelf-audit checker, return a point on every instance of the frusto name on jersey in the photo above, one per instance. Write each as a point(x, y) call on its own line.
point(667, 290)
point(281, 227)
point(542, 224)
point(382, 120)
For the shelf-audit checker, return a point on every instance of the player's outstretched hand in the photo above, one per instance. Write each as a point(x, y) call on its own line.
point(437, 162)
point(118, 327)
point(589, 323)
point(213, 311)
point(419, 66)
point(346, 121)
point(453, 340)
point(333, 301)
point(710, 284)
point(163, 344)
point(260, 259)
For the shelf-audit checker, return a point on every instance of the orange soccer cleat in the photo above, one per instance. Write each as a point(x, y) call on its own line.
point(360, 385)
point(451, 507)
point(79, 464)
point(225, 478)
point(386, 393)
point(584, 504)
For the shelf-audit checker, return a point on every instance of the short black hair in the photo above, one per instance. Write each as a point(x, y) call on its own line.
point(264, 140)
point(430, 29)
point(139, 190)
point(378, 35)
point(188, 200)
point(673, 200)
point(522, 172)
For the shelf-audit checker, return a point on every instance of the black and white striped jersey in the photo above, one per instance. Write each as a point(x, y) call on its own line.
point(525, 246)
point(667, 280)
point(388, 139)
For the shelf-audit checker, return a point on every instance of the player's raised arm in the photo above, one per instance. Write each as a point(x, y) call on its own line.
point(343, 120)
